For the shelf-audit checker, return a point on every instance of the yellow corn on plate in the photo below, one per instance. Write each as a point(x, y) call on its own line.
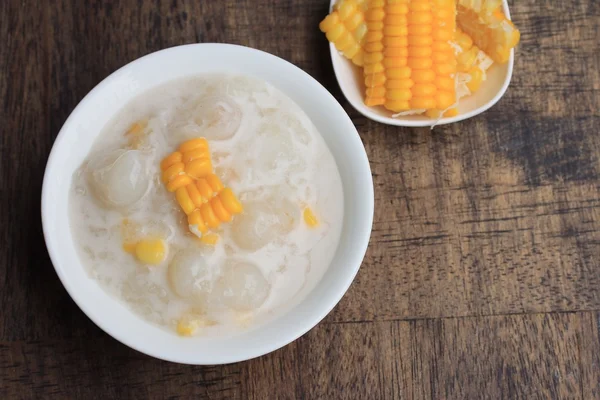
point(346, 28)
point(409, 62)
point(472, 64)
point(486, 24)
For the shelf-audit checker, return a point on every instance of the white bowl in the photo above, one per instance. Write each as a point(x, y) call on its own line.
point(104, 101)
point(351, 81)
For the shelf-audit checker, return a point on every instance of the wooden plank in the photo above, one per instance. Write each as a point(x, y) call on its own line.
point(517, 356)
point(557, 68)
point(533, 356)
point(105, 369)
point(588, 342)
point(481, 219)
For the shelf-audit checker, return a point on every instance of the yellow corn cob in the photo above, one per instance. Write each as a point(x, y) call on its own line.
point(345, 27)
point(486, 24)
point(199, 192)
point(374, 70)
point(409, 62)
point(439, 93)
point(191, 161)
point(219, 209)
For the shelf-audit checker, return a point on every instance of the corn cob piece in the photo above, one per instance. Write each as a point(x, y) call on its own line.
point(486, 24)
point(192, 160)
point(483, 7)
point(440, 93)
point(345, 27)
point(199, 192)
point(410, 65)
point(212, 213)
point(472, 64)
point(374, 70)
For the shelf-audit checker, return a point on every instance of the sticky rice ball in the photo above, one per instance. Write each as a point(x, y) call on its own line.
point(241, 287)
point(119, 179)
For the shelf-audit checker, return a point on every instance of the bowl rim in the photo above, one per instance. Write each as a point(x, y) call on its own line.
point(360, 164)
point(417, 123)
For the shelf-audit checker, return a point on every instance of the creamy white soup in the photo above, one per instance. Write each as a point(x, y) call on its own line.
point(252, 263)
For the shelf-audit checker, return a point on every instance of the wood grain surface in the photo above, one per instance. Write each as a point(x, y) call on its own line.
point(482, 279)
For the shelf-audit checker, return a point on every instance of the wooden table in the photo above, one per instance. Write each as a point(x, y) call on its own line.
point(482, 279)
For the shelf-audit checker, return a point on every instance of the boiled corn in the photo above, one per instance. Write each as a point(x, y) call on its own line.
point(210, 239)
point(472, 64)
point(345, 27)
point(151, 251)
point(492, 32)
point(409, 62)
point(190, 323)
point(199, 192)
point(309, 218)
point(211, 214)
point(191, 161)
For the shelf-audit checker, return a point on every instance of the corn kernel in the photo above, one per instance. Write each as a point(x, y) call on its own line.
point(187, 328)
point(129, 247)
point(476, 79)
point(231, 203)
point(171, 159)
point(214, 182)
point(184, 200)
point(136, 127)
point(219, 209)
point(195, 154)
point(196, 221)
point(199, 143)
point(453, 112)
point(210, 239)
point(309, 218)
point(191, 323)
point(171, 172)
point(204, 189)
point(150, 251)
point(399, 94)
point(444, 99)
point(422, 102)
point(208, 215)
point(195, 195)
point(177, 182)
point(399, 84)
point(199, 168)
point(424, 89)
